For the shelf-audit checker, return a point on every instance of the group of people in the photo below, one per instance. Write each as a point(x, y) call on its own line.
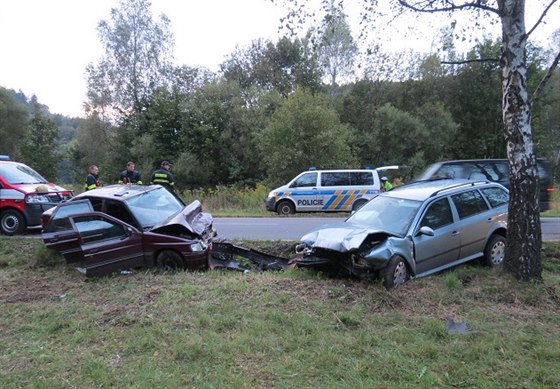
point(161, 176)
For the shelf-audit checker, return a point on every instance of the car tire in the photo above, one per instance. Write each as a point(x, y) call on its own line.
point(495, 251)
point(396, 273)
point(12, 222)
point(169, 260)
point(285, 208)
point(358, 204)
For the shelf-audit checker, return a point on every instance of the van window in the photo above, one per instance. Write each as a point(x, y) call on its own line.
point(305, 180)
point(335, 179)
point(361, 178)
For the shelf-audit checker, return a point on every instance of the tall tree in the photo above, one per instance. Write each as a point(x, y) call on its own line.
point(13, 121)
point(305, 132)
point(137, 60)
point(39, 143)
point(336, 47)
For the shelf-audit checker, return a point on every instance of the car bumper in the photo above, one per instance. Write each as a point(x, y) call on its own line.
point(270, 204)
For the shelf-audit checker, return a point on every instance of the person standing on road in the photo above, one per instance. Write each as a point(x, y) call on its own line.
point(385, 184)
point(163, 176)
point(92, 179)
point(130, 176)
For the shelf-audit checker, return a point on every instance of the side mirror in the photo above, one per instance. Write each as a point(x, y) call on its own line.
point(425, 230)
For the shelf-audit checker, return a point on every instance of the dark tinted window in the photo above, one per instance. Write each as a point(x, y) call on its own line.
point(361, 178)
point(438, 214)
point(469, 203)
point(496, 196)
point(308, 179)
point(451, 171)
point(335, 179)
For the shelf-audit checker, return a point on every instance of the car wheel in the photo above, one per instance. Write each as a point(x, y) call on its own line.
point(285, 208)
point(11, 222)
point(169, 260)
point(396, 273)
point(495, 251)
point(358, 204)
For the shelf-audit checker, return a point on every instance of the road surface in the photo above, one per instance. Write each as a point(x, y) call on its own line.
point(293, 228)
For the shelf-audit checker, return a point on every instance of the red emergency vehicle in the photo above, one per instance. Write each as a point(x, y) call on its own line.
point(24, 196)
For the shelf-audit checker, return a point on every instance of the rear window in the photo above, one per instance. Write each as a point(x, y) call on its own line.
point(496, 196)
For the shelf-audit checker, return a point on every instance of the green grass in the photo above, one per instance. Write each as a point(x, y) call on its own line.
point(294, 329)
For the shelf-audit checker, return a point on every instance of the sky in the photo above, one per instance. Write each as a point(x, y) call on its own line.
point(45, 45)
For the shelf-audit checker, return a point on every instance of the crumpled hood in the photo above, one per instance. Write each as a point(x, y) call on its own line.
point(32, 188)
point(191, 218)
point(341, 236)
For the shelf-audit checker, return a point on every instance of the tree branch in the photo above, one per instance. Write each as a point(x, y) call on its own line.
point(542, 17)
point(431, 8)
point(545, 78)
point(470, 61)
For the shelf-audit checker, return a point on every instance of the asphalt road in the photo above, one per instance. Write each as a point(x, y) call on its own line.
point(293, 228)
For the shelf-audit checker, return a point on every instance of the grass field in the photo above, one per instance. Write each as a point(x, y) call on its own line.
point(294, 329)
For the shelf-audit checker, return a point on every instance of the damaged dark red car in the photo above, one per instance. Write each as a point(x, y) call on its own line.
point(120, 227)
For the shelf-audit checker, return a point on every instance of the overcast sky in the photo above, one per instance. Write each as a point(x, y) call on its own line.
point(45, 45)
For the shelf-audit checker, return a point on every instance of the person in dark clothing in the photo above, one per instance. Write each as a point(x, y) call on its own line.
point(163, 176)
point(130, 176)
point(92, 179)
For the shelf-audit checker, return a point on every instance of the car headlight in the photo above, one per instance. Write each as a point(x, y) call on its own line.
point(37, 199)
point(272, 194)
point(197, 247)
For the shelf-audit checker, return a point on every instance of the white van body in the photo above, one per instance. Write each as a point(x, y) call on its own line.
point(325, 191)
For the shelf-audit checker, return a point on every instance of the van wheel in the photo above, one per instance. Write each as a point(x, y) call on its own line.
point(11, 222)
point(495, 251)
point(169, 260)
point(396, 273)
point(285, 208)
point(358, 204)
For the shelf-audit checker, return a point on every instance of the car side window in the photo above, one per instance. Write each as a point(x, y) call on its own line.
point(438, 214)
point(335, 179)
point(361, 178)
point(306, 180)
point(119, 211)
point(469, 203)
point(96, 228)
point(496, 196)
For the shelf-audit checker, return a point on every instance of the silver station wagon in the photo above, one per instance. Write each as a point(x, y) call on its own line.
point(412, 231)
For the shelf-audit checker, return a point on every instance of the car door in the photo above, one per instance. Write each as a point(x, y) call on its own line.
point(437, 251)
point(304, 192)
point(107, 244)
point(474, 222)
point(59, 233)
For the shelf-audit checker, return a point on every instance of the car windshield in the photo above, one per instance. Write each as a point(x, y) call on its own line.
point(387, 214)
point(20, 174)
point(154, 207)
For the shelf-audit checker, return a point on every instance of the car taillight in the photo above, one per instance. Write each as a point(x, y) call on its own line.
point(550, 189)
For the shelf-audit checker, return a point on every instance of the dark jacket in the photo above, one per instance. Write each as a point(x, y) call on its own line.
point(163, 177)
point(92, 182)
point(128, 177)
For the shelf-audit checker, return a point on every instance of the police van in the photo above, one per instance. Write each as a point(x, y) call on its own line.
point(326, 191)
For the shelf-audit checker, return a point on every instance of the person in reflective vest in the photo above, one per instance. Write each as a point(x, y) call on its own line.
point(92, 179)
point(130, 176)
point(163, 176)
point(385, 184)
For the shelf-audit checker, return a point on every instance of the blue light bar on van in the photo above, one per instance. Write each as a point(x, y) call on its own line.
point(312, 168)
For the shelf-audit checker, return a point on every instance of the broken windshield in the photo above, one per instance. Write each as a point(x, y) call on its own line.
point(154, 207)
point(387, 214)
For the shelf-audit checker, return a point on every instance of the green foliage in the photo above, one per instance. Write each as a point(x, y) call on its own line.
point(38, 148)
point(304, 132)
point(13, 122)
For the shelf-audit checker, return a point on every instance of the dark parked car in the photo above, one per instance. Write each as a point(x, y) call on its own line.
point(126, 226)
point(495, 170)
point(412, 231)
